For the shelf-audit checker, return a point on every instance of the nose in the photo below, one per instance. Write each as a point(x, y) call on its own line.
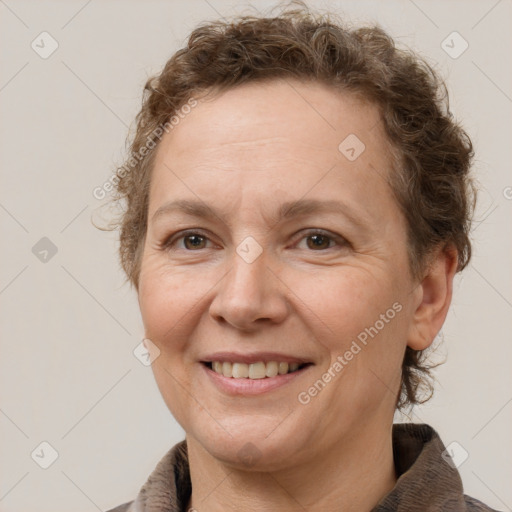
point(250, 295)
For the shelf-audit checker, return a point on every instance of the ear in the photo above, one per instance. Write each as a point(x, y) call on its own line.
point(434, 298)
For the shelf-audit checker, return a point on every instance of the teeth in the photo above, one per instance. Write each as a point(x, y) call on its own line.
point(258, 370)
point(272, 369)
point(227, 369)
point(240, 371)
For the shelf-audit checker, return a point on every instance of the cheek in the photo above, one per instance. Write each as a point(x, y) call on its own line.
point(345, 301)
point(360, 318)
point(166, 304)
point(166, 301)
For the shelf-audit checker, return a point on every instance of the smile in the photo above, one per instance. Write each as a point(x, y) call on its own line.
point(258, 370)
point(252, 379)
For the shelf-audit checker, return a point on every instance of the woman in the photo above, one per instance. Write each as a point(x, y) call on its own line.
point(298, 201)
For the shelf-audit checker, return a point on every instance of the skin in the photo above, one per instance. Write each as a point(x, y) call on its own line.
point(245, 152)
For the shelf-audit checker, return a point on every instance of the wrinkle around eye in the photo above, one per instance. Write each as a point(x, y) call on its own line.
point(336, 242)
point(168, 242)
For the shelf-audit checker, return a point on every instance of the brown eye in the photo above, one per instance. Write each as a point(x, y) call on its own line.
point(318, 241)
point(194, 241)
point(188, 241)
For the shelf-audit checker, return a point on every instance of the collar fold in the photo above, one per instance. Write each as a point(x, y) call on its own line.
point(426, 480)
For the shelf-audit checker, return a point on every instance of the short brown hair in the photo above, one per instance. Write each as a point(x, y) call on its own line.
point(432, 152)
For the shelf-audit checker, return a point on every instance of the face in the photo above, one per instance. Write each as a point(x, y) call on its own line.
point(290, 248)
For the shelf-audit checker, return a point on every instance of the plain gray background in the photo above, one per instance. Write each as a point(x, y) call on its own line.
point(69, 376)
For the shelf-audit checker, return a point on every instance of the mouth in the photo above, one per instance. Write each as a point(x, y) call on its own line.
point(254, 371)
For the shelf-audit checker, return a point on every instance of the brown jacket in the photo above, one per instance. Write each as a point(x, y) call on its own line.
point(426, 481)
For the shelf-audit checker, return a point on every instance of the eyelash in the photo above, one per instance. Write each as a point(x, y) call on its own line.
point(171, 240)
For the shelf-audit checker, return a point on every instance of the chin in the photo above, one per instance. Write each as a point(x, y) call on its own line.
point(245, 444)
point(246, 455)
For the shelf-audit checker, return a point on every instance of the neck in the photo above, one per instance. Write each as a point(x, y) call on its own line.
point(353, 475)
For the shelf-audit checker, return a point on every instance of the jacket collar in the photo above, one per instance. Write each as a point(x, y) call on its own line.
point(425, 475)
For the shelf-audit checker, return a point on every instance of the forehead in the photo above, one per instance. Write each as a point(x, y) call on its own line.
point(280, 135)
point(254, 113)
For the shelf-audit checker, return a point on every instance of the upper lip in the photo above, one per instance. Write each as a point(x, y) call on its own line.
point(255, 357)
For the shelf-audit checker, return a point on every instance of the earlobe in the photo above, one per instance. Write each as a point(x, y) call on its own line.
point(435, 294)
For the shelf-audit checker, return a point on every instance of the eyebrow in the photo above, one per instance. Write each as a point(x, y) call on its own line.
point(287, 210)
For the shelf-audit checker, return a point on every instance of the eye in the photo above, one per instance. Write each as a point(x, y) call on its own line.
point(318, 240)
point(192, 240)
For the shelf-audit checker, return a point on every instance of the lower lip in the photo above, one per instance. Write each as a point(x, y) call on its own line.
point(251, 387)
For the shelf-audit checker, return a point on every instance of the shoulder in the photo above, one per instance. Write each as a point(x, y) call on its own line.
point(125, 507)
point(473, 505)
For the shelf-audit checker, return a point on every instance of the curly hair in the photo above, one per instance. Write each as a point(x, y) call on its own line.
point(431, 180)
